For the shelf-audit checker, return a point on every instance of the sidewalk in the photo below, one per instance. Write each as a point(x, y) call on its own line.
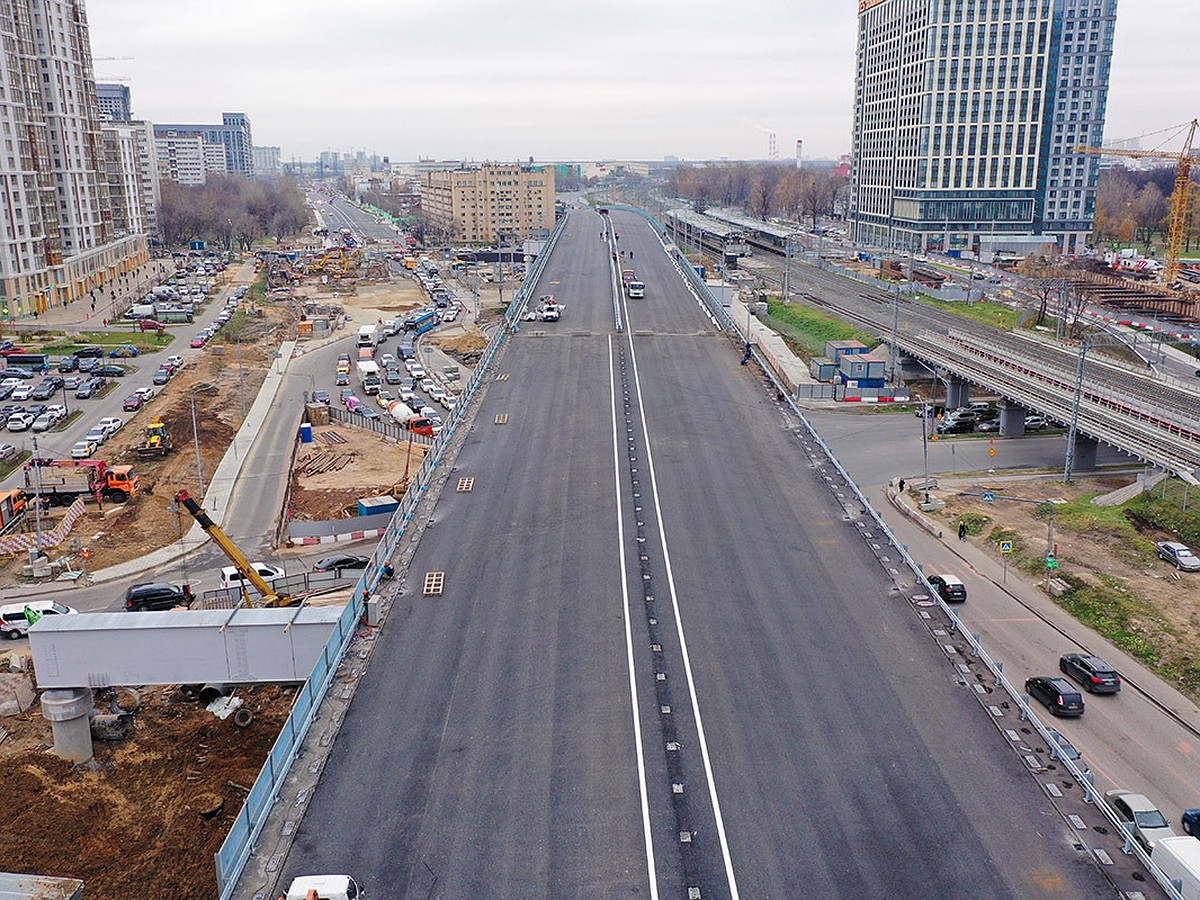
point(1030, 596)
point(109, 301)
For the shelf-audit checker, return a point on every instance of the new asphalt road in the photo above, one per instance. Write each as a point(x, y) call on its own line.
point(663, 658)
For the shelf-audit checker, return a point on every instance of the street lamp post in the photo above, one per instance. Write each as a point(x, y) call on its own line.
point(196, 442)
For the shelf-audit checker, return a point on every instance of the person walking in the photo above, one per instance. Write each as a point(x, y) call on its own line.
point(962, 531)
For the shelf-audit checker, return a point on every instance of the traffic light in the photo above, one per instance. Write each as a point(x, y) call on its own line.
point(1051, 562)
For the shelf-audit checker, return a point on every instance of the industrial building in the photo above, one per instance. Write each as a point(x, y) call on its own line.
point(966, 116)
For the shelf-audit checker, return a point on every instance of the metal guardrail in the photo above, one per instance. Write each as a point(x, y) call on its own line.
point(231, 858)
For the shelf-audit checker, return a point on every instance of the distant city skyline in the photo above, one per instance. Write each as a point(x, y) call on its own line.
point(617, 80)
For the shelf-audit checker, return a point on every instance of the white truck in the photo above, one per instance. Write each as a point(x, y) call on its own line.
point(635, 289)
point(368, 376)
point(1179, 858)
point(368, 336)
point(324, 887)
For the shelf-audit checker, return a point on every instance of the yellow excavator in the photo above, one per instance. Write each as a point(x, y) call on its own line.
point(268, 597)
point(157, 440)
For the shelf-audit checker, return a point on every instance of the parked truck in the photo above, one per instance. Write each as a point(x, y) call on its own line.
point(1179, 858)
point(368, 376)
point(60, 482)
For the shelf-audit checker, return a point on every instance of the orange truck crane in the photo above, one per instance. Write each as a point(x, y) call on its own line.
point(60, 482)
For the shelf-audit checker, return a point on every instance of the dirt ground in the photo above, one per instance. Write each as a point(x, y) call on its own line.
point(144, 818)
point(344, 464)
point(1173, 623)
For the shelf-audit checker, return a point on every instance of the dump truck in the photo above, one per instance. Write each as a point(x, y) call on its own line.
point(60, 482)
point(157, 441)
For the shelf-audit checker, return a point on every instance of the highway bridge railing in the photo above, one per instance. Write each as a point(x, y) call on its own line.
point(892, 545)
point(233, 854)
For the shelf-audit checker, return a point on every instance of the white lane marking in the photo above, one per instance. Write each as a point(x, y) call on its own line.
point(647, 834)
point(687, 660)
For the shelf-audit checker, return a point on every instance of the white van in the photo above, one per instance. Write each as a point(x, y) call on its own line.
point(328, 887)
point(1179, 858)
point(232, 578)
point(14, 624)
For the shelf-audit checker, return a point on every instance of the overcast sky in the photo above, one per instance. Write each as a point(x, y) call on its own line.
point(616, 79)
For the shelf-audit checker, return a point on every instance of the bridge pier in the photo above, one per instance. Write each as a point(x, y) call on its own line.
point(1085, 453)
point(958, 392)
point(1012, 420)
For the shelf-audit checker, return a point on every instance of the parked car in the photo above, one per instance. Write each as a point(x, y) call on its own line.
point(146, 393)
point(162, 376)
point(1061, 748)
point(133, 403)
point(72, 383)
point(174, 362)
point(1036, 423)
point(21, 421)
point(83, 449)
point(44, 422)
point(1096, 676)
point(1177, 554)
point(111, 371)
point(89, 364)
point(199, 340)
point(341, 561)
point(988, 425)
point(44, 391)
point(113, 424)
point(948, 587)
point(21, 392)
point(152, 595)
point(68, 364)
point(1141, 817)
point(7, 451)
point(956, 426)
point(96, 435)
point(88, 352)
point(1057, 694)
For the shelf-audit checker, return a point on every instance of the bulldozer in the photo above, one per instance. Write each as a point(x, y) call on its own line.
point(157, 440)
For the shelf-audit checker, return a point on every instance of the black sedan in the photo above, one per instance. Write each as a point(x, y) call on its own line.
point(341, 561)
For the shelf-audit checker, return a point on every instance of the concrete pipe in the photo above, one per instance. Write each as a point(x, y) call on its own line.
point(214, 691)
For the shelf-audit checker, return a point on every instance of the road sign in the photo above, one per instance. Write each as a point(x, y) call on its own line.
point(1006, 546)
point(989, 497)
point(992, 451)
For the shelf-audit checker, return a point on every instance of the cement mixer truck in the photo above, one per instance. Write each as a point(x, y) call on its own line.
point(411, 421)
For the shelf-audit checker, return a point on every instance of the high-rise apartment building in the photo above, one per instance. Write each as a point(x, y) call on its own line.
point(967, 114)
point(131, 169)
point(267, 162)
point(114, 102)
point(233, 134)
point(490, 203)
point(56, 238)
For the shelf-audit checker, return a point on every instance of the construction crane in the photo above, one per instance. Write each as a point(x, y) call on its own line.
point(268, 596)
point(1177, 218)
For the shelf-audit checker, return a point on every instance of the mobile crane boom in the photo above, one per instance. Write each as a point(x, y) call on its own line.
point(230, 549)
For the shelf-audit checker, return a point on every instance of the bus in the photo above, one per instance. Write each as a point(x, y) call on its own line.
point(422, 322)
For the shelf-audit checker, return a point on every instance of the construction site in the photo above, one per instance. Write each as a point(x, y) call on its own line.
point(145, 815)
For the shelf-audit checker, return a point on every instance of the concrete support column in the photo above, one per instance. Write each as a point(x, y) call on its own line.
point(958, 393)
point(1012, 420)
point(1085, 453)
point(68, 711)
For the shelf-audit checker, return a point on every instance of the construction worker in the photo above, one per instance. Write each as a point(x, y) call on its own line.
point(32, 616)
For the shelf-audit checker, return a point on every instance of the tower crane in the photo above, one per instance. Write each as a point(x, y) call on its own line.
point(1177, 218)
